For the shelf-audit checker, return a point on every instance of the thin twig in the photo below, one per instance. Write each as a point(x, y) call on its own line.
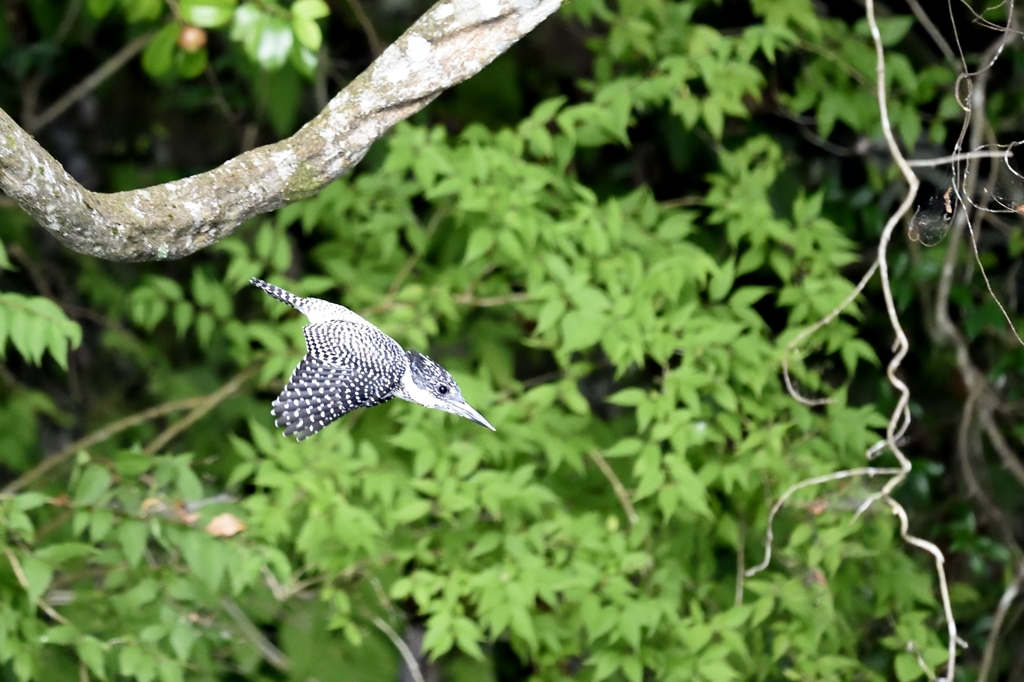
point(620, 490)
point(975, 490)
point(410, 264)
point(98, 436)
point(956, 158)
point(490, 301)
point(270, 653)
point(376, 46)
point(940, 561)
point(199, 411)
point(67, 21)
point(89, 83)
point(1009, 594)
point(19, 573)
point(807, 483)
point(799, 338)
point(921, 663)
point(407, 655)
point(976, 101)
point(1006, 454)
point(741, 559)
point(901, 412)
point(932, 30)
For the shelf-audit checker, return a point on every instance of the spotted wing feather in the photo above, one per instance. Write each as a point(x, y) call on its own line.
point(348, 366)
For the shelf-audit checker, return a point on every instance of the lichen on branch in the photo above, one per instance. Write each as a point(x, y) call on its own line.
point(452, 42)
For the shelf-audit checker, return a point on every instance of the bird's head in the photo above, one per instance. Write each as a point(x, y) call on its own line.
point(429, 384)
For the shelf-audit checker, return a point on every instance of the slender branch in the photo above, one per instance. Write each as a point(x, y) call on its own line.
point(807, 483)
point(403, 648)
point(19, 573)
point(376, 46)
point(490, 301)
point(956, 158)
point(270, 653)
point(900, 419)
point(799, 338)
point(453, 41)
point(964, 437)
point(741, 559)
point(410, 264)
point(1011, 462)
point(932, 30)
point(200, 405)
point(921, 663)
point(98, 436)
point(89, 83)
point(620, 490)
point(199, 411)
point(67, 21)
point(1011, 592)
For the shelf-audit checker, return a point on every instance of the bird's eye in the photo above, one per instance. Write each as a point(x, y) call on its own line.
point(442, 389)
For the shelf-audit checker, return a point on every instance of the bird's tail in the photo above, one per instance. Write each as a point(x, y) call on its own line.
point(278, 293)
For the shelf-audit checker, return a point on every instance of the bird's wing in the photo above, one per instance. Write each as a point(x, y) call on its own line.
point(347, 367)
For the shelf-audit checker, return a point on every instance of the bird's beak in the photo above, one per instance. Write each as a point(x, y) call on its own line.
point(464, 410)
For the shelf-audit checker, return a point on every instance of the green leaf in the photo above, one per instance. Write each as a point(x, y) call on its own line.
point(27, 501)
point(468, 636)
point(582, 329)
point(142, 10)
point(100, 522)
point(721, 281)
point(38, 575)
point(892, 29)
point(158, 57)
point(480, 242)
point(273, 41)
point(205, 556)
point(5, 261)
point(304, 61)
point(416, 509)
point(64, 551)
point(99, 8)
point(907, 667)
point(132, 536)
point(90, 650)
point(170, 671)
point(311, 9)
point(551, 312)
point(307, 32)
point(92, 484)
point(191, 64)
point(130, 660)
point(246, 23)
point(183, 636)
point(208, 13)
point(35, 325)
point(189, 485)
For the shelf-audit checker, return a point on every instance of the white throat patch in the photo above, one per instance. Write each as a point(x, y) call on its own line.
point(408, 390)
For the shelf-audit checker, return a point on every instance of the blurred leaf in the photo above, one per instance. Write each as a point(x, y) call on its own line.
point(158, 57)
point(307, 32)
point(38, 575)
point(93, 483)
point(311, 9)
point(208, 13)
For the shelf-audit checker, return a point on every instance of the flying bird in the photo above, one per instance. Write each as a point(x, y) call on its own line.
point(349, 364)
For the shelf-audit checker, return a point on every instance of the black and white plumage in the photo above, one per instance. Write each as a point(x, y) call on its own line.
point(349, 364)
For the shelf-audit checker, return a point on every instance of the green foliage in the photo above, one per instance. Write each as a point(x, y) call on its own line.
point(621, 322)
point(35, 325)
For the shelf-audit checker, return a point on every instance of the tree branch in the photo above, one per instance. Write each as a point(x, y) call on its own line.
point(454, 40)
point(91, 82)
